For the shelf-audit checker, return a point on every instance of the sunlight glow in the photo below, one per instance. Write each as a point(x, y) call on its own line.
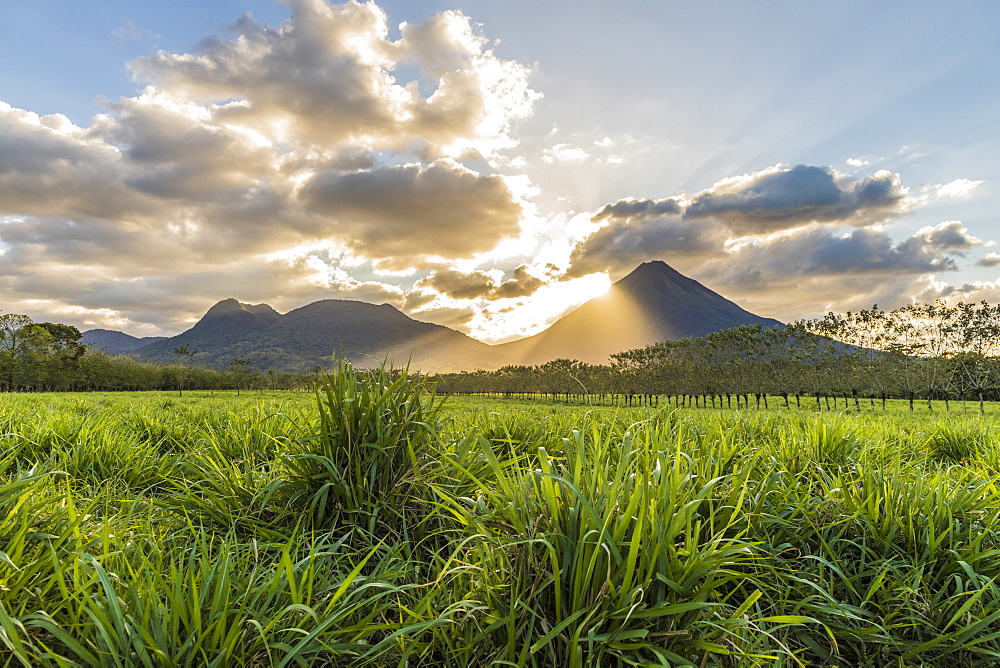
point(507, 320)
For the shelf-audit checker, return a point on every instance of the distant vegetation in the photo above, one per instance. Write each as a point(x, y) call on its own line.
point(920, 352)
point(47, 357)
point(368, 525)
point(930, 353)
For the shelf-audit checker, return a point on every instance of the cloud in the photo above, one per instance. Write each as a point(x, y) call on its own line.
point(774, 201)
point(328, 77)
point(98, 296)
point(322, 132)
point(564, 153)
point(176, 151)
point(521, 284)
point(804, 231)
point(130, 32)
point(481, 285)
point(49, 167)
point(819, 252)
point(638, 230)
point(411, 211)
point(950, 235)
point(961, 188)
point(459, 285)
point(638, 209)
point(812, 271)
point(777, 199)
point(288, 163)
point(621, 246)
point(456, 317)
point(973, 292)
point(989, 260)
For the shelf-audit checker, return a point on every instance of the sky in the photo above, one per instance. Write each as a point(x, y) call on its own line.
point(489, 165)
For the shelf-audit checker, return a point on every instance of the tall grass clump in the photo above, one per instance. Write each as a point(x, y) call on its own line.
point(373, 429)
point(621, 550)
point(953, 442)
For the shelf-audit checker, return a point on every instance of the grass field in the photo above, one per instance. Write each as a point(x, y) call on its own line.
point(370, 524)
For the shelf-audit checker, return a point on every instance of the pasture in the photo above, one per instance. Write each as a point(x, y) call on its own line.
point(372, 523)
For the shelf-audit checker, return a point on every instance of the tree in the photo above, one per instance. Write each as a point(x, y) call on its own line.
point(243, 371)
point(184, 354)
point(21, 341)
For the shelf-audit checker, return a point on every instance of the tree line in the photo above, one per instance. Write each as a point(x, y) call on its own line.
point(45, 356)
point(920, 352)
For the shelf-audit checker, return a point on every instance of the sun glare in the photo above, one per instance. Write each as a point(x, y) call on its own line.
point(548, 304)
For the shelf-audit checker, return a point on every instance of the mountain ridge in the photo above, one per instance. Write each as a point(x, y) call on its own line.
point(308, 336)
point(115, 342)
point(652, 303)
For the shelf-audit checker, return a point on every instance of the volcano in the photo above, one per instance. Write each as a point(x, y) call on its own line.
point(653, 303)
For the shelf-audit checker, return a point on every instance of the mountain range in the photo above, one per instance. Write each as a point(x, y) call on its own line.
point(653, 303)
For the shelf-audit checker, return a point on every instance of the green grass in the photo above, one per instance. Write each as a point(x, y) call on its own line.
point(370, 524)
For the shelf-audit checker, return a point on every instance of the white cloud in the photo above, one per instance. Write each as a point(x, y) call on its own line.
point(564, 153)
point(958, 188)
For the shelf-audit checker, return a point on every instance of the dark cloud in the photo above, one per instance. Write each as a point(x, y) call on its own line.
point(121, 251)
point(176, 152)
point(638, 208)
point(409, 211)
point(812, 271)
point(627, 242)
point(48, 167)
point(459, 285)
point(455, 317)
point(521, 284)
point(950, 235)
point(417, 299)
point(481, 285)
point(989, 260)
point(767, 201)
point(777, 199)
point(818, 252)
point(977, 291)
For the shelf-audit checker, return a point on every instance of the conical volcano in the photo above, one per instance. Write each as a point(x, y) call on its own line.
point(653, 303)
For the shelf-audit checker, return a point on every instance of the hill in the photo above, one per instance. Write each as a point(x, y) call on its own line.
point(307, 337)
point(653, 303)
point(115, 342)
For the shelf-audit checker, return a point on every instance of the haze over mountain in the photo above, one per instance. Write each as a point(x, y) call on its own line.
point(651, 304)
